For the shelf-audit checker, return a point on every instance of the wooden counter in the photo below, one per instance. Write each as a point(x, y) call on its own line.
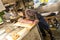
point(33, 35)
point(11, 32)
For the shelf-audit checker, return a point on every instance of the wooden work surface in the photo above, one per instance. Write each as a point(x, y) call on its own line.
point(33, 35)
point(31, 31)
point(19, 33)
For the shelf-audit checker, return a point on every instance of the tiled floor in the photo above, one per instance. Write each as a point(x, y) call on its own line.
point(56, 34)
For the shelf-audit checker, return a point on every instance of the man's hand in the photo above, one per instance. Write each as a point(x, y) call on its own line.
point(36, 21)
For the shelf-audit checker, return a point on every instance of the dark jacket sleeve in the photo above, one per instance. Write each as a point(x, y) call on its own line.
point(42, 20)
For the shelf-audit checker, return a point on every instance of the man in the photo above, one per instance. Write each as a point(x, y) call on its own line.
point(33, 15)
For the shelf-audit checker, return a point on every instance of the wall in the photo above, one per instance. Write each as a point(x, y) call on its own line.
point(51, 7)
